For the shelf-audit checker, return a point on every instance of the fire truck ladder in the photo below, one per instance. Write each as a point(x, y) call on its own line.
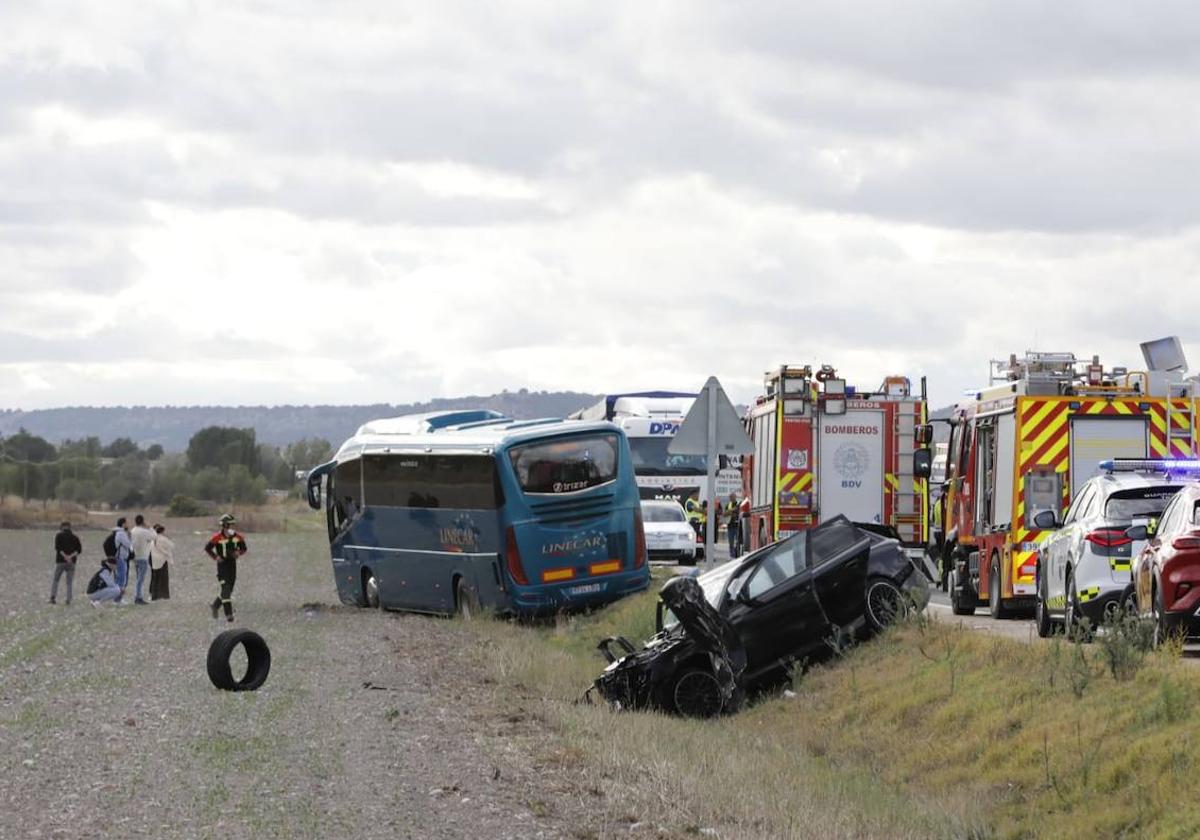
point(1185, 428)
point(906, 508)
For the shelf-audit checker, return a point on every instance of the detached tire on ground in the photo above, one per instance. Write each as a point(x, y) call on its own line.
point(258, 657)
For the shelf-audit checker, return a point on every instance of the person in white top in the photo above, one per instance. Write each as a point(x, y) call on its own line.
point(143, 544)
point(160, 565)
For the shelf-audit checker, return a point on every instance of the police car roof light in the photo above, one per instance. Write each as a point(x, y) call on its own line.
point(1150, 465)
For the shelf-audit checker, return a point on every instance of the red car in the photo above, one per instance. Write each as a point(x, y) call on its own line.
point(1166, 575)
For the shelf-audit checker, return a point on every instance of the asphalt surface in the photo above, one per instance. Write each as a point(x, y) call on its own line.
point(1021, 629)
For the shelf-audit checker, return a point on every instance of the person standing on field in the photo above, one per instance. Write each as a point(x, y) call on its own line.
point(124, 551)
point(143, 544)
point(66, 554)
point(225, 547)
point(160, 565)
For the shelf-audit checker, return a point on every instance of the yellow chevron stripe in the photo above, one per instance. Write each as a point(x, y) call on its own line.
point(1094, 408)
point(893, 483)
point(1159, 421)
point(1036, 418)
point(1123, 407)
point(1057, 427)
point(806, 479)
point(1158, 447)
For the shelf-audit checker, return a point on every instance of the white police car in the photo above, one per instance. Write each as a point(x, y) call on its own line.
point(1084, 567)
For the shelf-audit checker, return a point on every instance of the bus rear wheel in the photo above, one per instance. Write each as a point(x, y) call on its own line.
point(466, 602)
point(370, 590)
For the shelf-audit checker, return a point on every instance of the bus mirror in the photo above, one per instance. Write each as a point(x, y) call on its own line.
point(923, 434)
point(923, 463)
point(314, 492)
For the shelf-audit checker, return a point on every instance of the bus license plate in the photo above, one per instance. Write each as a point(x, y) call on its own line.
point(586, 589)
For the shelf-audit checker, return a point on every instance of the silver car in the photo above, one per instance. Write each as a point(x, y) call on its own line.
point(669, 535)
point(1084, 566)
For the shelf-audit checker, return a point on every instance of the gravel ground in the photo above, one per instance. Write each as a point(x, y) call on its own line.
point(109, 725)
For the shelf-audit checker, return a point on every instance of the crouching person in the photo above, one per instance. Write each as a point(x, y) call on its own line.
point(102, 588)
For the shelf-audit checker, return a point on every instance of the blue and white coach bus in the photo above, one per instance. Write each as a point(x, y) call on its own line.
point(462, 510)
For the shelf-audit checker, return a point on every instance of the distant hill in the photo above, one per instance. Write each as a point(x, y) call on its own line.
point(173, 426)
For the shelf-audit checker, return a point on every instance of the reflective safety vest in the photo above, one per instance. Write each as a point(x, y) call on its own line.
point(694, 514)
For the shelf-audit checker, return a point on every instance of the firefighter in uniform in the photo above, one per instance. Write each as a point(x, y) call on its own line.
point(225, 547)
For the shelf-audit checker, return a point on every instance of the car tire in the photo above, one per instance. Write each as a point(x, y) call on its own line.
point(466, 602)
point(884, 603)
point(1041, 612)
point(1160, 619)
point(370, 590)
point(1074, 626)
point(960, 603)
point(696, 693)
point(995, 607)
point(258, 657)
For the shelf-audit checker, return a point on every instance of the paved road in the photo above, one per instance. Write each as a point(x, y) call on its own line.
point(1021, 629)
point(1016, 628)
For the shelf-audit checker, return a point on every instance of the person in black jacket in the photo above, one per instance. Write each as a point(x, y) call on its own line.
point(225, 547)
point(66, 554)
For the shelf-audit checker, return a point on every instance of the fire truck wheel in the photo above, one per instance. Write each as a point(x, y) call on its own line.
point(995, 607)
point(960, 602)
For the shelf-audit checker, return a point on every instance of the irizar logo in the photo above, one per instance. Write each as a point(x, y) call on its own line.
point(851, 460)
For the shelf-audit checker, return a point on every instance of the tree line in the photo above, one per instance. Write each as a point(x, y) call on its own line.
point(222, 464)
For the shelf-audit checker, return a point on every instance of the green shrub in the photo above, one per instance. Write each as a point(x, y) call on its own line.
point(182, 505)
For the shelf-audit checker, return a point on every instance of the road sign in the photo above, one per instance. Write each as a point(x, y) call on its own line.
point(711, 428)
point(693, 435)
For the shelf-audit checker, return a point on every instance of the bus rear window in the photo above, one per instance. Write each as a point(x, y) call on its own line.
point(566, 465)
point(463, 482)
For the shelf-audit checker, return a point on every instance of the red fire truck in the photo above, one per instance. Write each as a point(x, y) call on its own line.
point(823, 448)
point(1026, 444)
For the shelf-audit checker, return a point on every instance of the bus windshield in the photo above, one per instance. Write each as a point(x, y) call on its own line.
point(565, 465)
point(650, 457)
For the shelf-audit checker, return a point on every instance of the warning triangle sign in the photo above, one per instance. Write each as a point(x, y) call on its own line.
point(692, 437)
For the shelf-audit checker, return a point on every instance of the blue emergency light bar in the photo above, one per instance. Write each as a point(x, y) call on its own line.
point(1150, 465)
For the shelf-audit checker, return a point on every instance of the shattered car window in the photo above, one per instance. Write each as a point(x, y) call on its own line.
point(789, 559)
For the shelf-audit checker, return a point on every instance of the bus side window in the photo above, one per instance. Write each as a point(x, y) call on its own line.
point(345, 493)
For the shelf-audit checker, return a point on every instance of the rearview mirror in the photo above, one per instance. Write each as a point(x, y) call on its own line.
point(1137, 532)
point(923, 434)
point(1045, 520)
point(923, 463)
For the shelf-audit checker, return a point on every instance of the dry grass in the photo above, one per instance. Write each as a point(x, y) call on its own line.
point(752, 775)
point(931, 731)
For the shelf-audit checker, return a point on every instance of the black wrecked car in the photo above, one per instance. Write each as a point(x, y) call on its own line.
point(742, 625)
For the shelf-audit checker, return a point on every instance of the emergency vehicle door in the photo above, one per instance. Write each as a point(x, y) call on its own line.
point(1096, 439)
point(850, 462)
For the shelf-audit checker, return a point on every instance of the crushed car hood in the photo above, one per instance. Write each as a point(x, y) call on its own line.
point(684, 597)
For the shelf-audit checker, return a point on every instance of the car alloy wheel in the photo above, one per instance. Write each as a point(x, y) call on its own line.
point(885, 603)
point(697, 694)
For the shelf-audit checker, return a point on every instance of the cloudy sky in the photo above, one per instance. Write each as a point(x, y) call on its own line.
point(291, 201)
